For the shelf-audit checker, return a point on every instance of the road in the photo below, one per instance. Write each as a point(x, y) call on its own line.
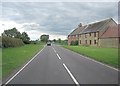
point(57, 65)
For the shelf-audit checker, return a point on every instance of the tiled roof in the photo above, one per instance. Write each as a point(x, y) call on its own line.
point(111, 32)
point(77, 30)
point(94, 27)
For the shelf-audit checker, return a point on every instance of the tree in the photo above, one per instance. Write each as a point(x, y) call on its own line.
point(14, 33)
point(44, 38)
point(54, 40)
point(59, 40)
point(25, 38)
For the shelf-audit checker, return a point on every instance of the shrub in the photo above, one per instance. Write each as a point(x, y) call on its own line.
point(11, 42)
point(64, 42)
point(74, 42)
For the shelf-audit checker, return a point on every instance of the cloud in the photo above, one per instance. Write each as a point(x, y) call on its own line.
point(55, 18)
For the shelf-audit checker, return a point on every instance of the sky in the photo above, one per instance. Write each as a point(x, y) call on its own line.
point(56, 19)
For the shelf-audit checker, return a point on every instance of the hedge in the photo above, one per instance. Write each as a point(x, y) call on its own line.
point(11, 42)
point(74, 42)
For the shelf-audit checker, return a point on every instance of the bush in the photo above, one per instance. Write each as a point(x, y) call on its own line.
point(64, 42)
point(34, 42)
point(11, 42)
point(74, 42)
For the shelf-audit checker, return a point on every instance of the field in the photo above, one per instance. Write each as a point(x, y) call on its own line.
point(42, 43)
point(14, 57)
point(106, 55)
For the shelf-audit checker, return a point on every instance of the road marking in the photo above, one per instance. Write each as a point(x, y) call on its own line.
point(54, 50)
point(71, 75)
point(24, 67)
point(100, 63)
point(58, 57)
point(96, 61)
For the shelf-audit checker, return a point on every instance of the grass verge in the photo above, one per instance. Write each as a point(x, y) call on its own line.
point(12, 58)
point(106, 55)
point(42, 43)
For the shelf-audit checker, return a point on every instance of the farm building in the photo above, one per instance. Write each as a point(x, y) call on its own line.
point(96, 34)
point(110, 38)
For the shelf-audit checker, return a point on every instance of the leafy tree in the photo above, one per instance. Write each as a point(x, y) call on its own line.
point(54, 40)
point(18, 35)
point(44, 38)
point(25, 38)
point(59, 40)
point(14, 33)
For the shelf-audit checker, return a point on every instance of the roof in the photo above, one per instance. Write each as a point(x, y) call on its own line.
point(77, 30)
point(94, 27)
point(111, 32)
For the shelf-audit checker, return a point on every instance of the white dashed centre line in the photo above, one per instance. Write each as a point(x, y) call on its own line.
point(58, 56)
point(54, 50)
point(71, 75)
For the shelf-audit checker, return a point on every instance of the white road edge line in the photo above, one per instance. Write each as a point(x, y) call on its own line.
point(24, 66)
point(58, 57)
point(100, 63)
point(71, 75)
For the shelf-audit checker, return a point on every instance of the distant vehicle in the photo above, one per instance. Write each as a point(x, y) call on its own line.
point(48, 44)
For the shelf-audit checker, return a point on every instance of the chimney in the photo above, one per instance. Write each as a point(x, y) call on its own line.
point(80, 25)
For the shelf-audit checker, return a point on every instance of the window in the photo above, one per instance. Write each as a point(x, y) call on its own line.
point(76, 35)
point(80, 41)
point(90, 42)
point(73, 36)
point(86, 41)
point(90, 34)
point(94, 34)
point(94, 41)
point(85, 35)
point(80, 35)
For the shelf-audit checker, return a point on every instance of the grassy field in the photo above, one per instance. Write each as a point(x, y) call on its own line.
point(106, 55)
point(42, 43)
point(14, 57)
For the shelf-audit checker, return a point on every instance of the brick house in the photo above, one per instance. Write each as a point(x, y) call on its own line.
point(90, 34)
point(75, 34)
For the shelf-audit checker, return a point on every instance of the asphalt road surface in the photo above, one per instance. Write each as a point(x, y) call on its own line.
point(57, 65)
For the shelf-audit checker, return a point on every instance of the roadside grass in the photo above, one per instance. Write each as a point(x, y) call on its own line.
point(42, 43)
point(106, 55)
point(0, 64)
point(12, 58)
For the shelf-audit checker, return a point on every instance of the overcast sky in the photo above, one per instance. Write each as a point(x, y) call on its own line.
point(56, 19)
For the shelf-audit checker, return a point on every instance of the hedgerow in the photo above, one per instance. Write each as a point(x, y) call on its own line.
point(11, 42)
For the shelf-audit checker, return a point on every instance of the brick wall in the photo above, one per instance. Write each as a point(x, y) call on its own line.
point(72, 38)
point(88, 39)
